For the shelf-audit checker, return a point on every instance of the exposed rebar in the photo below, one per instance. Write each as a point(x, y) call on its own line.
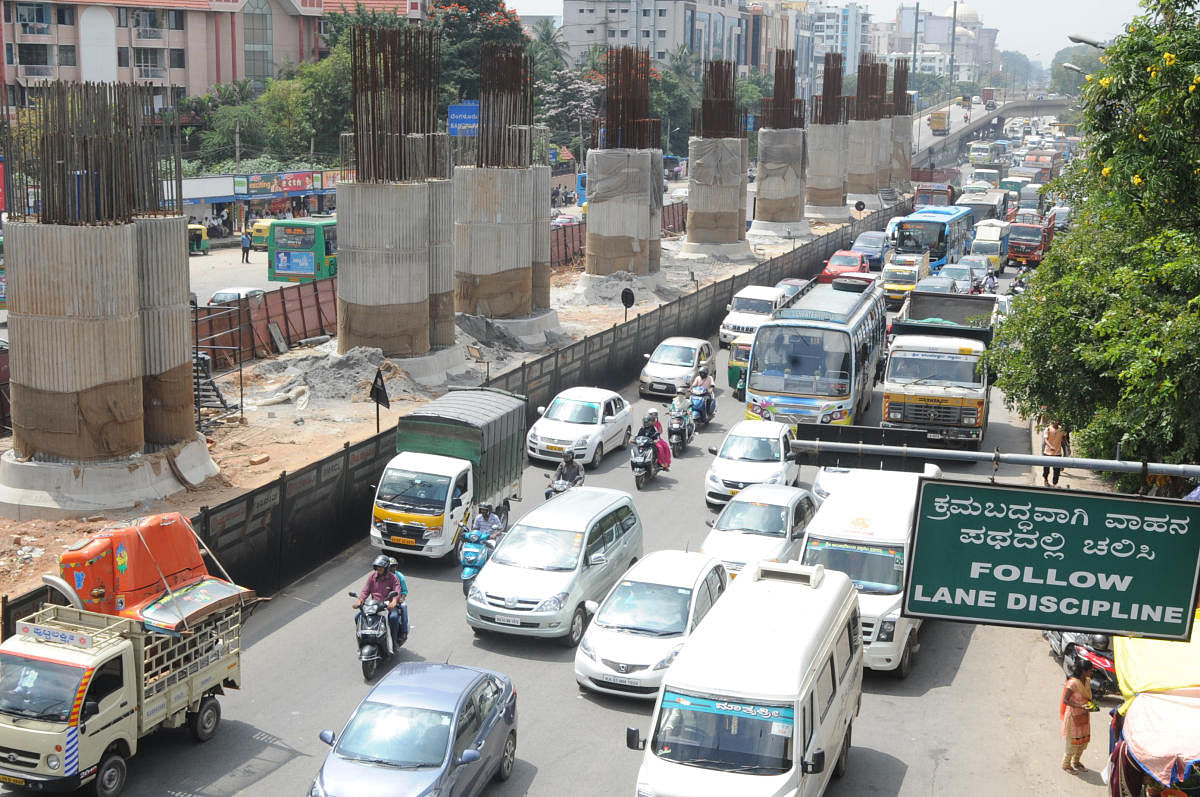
point(626, 121)
point(782, 110)
point(829, 107)
point(505, 105)
point(717, 116)
point(901, 101)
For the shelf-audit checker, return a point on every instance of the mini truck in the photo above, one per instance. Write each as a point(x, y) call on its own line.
point(456, 452)
point(78, 689)
point(934, 378)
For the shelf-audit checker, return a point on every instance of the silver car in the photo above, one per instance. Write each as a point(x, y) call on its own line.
point(674, 364)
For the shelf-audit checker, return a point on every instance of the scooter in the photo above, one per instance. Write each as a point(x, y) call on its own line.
point(375, 641)
point(557, 486)
point(680, 431)
point(474, 553)
point(643, 459)
point(702, 409)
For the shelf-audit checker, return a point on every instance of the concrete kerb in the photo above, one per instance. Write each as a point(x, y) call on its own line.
point(781, 229)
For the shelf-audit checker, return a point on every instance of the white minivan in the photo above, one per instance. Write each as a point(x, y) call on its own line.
point(862, 529)
point(752, 706)
point(751, 306)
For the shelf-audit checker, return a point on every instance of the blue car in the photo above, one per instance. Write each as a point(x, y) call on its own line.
point(875, 245)
point(425, 729)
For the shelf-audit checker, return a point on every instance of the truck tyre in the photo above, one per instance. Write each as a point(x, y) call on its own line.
point(904, 668)
point(110, 775)
point(203, 724)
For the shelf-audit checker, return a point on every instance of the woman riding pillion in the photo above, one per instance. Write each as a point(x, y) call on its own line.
point(386, 586)
point(652, 429)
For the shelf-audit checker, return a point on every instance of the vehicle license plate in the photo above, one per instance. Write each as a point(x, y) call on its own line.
point(660, 386)
point(732, 493)
point(507, 620)
point(403, 541)
point(554, 448)
point(12, 780)
point(935, 435)
point(612, 679)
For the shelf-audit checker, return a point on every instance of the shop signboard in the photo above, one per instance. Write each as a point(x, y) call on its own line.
point(268, 183)
point(329, 179)
point(1043, 558)
point(296, 181)
point(240, 185)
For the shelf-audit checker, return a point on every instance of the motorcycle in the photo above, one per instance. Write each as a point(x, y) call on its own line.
point(643, 459)
point(680, 431)
point(375, 642)
point(1096, 648)
point(702, 406)
point(557, 486)
point(474, 553)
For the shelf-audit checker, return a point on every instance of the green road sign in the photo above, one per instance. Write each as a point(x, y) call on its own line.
point(1041, 558)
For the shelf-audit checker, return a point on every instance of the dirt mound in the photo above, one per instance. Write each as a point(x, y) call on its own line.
point(329, 376)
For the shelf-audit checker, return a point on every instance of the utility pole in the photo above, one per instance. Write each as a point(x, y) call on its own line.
point(953, 35)
point(916, 30)
point(237, 146)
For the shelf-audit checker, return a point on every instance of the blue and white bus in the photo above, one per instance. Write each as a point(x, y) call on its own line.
point(817, 361)
point(946, 232)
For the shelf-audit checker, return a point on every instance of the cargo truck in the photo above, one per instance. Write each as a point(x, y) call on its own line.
point(456, 452)
point(939, 122)
point(991, 241)
point(935, 379)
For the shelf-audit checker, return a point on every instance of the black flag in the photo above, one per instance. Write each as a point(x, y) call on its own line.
point(379, 390)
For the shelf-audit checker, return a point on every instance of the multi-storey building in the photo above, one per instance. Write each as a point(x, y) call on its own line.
point(840, 29)
point(712, 29)
point(958, 29)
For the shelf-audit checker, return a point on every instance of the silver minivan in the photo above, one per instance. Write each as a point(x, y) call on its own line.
point(568, 551)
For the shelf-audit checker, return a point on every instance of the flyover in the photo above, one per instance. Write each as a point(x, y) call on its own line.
point(943, 150)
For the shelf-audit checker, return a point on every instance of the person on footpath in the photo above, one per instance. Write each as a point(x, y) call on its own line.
point(1074, 711)
point(245, 246)
point(1055, 443)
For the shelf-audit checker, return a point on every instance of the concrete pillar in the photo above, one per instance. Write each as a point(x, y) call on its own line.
point(716, 190)
point(540, 185)
point(656, 206)
point(441, 262)
point(383, 269)
point(825, 194)
point(76, 341)
point(167, 392)
point(780, 185)
point(901, 168)
point(744, 172)
point(493, 246)
point(618, 219)
point(883, 152)
point(860, 175)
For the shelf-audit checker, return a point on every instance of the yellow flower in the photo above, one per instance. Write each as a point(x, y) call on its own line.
point(1196, 79)
point(1191, 88)
point(1136, 179)
point(1088, 78)
point(1106, 171)
point(1104, 59)
point(1142, 136)
point(1104, 81)
point(1168, 58)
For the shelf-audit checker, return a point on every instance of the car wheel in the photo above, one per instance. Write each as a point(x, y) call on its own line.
point(575, 632)
point(110, 776)
point(625, 440)
point(904, 668)
point(203, 724)
point(596, 457)
point(508, 758)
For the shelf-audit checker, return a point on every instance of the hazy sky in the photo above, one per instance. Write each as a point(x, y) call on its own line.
point(1037, 28)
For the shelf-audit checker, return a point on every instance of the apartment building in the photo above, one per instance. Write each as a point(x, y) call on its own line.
point(842, 29)
point(713, 29)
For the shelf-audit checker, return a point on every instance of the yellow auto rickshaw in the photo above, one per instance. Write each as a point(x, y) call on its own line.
point(739, 361)
point(197, 239)
point(260, 231)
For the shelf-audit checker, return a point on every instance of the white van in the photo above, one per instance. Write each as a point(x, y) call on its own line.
point(751, 306)
point(754, 707)
point(862, 530)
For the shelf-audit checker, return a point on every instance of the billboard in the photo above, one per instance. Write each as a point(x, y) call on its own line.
point(295, 264)
point(1043, 558)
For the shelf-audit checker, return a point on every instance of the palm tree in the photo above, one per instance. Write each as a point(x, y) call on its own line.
point(550, 39)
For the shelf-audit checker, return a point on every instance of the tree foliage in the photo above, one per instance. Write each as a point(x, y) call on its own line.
point(465, 26)
point(567, 103)
point(1108, 336)
point(1063, 80)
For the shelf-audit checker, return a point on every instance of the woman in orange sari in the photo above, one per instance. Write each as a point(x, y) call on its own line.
point(1074, 711)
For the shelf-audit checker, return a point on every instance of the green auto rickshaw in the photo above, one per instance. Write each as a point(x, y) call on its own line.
point(198, 239)
point(739, 359)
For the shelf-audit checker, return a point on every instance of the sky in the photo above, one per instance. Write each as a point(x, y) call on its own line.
point(1037, 28)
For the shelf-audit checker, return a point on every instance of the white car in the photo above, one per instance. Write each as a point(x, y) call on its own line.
point(764, 521)
point(831, 478)
point(227, 296)
point(674, 364)
point(643, 622)
point(586, 420)
point(754, 452)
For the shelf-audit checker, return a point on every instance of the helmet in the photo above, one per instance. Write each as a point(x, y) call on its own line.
point(380, 561)
point(647, 420)
point(704, 371)
point(568, 456)
point(653, 411)
point(485, 509)
point(392, 562)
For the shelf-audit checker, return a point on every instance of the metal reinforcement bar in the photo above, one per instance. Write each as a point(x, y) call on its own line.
point(394, 83)
point(626, 122)
point(828, 108)
point(1035, 460)
point(782, 110)
point(717, 116)
point(505, 103)
point(92, 153)
point(901, 101)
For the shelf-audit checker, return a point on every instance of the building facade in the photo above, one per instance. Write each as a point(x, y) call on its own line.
point(711, 29)
point(842, 29)
point(958, 30)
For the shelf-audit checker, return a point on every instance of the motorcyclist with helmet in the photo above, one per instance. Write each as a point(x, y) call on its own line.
point(568, 470)
point(989, 282)
point(651, 430)
point(388, 587)
point(704, 379)
point(486, 520)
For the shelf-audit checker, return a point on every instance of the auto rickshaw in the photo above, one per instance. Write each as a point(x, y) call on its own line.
point(739, 361)
point(198, 239)
point(260, 231)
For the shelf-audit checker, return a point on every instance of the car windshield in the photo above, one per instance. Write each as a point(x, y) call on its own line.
point(956, 272)
point(750, 449)
point(739, 352)
point(801, 361)
point(906, 276)
point(869, 240)
point(959, 370)
point(789, 289)
point(674, 354)
point(421, 492)
point(573, 411)
point(725, 735)
point(396, 736)
point(874, 569)
point(224, 298)
point(844, 260)
point(37, 689)
point(539, 549)
point(643, 608)
point(987, 247)
point(754, 517)
point(744, 304)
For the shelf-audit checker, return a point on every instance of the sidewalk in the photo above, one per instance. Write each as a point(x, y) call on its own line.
point(1070, 478)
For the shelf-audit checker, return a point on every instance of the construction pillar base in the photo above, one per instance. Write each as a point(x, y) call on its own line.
point(781, 229)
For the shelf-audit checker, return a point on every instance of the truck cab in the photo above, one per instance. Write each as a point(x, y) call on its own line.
point(419, 502)
point(937, 384)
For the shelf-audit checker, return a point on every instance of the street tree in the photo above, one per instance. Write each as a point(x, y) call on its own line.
point(567, 104)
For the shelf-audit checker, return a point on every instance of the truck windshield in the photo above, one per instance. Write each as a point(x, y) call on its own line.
point(725, 735)
point(934, 368)
point(986, 247)
point(642, 608)
point(802, 361)
point(421, 492)
point(396, 736)
point(904, 276)
point(37, 688)
point(1027, 234)
point(744, 304)
point(539, 549)
point(874, 569)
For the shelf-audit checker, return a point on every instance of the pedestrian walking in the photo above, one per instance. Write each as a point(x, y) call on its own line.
point(1055, 443)
point(1075, 712)
point(245, 246)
